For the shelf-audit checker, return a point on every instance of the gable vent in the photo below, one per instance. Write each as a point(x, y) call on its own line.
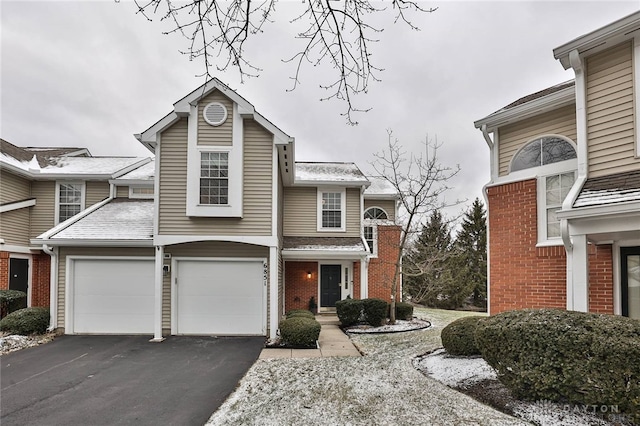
point(215, 113)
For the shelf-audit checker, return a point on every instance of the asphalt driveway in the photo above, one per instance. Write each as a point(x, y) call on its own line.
point(105, 380)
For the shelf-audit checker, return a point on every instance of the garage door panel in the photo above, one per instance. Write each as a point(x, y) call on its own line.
point(220, 297)
point(113, 296)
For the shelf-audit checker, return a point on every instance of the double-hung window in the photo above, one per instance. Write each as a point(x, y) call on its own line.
point(331, 210)
point(556, 189)
point(69, 200)
point(214, 178)
point(369, 236)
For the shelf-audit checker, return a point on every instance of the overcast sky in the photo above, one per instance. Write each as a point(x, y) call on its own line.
point(93, 73)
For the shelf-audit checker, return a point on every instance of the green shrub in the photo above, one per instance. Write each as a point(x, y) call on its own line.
point(375, 311)
point(349, 311)
point(458, 338)
point(299, 331)
point(404, 311)
point(11, 301)
point(300, 313)
point(26, 321)
point(565, 356)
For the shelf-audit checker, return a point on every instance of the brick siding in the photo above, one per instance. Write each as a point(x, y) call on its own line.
point(382, 268)
point(525, 276)
point(40, 276)
point(4, 270)
point(298, 287)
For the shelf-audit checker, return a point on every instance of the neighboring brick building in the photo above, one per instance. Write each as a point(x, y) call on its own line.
point(564, 196)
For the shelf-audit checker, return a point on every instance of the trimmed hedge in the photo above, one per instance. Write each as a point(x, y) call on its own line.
point(26, 321)
point(300, 313)
point(458, 338)
point(375, 311)
point(565, 356)
point(404, 311)
point(11, 301)
point(349, 311)
point(299, 331)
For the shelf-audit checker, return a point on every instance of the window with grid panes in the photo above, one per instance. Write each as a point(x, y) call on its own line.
point(69, 200)
point(557, 188)
point(214, 178)
point(331, 210)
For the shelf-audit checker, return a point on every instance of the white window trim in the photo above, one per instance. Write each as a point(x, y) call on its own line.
point(543, 240)
point(375, 207)
point(141, 196)
point(83, 192)
point(372, 224)
point(343, 208)
point(236, 168)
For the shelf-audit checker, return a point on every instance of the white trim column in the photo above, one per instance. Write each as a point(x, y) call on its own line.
point(159, 272)
point(364, 278)
point(273, 291)
point(578, 283)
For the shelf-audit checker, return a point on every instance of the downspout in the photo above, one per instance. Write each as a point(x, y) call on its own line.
point(581, 130)
point(53, 286)
point(485, 195)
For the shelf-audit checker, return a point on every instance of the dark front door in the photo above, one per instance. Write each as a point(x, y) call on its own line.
point(19, 275)
point(630, 268)
point(329, 285)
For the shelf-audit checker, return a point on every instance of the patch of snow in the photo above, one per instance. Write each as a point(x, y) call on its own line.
point(329, 172)
point(145, 172)
point(15, 342)
point(23, 165)
point(88, 165)
point(379, 186)
point(399, 326)
point(547, 413)
point(321, 247)
point(455, 371)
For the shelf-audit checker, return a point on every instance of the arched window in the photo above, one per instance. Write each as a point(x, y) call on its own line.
point(375, 213)
point(542, 151)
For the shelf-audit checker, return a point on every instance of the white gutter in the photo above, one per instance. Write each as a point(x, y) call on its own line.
point(94, 242)
point(53, 287)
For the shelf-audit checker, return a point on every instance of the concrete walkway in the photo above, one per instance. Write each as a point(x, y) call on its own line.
point(332, 342)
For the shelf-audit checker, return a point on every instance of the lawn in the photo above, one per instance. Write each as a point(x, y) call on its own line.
point(379, 388)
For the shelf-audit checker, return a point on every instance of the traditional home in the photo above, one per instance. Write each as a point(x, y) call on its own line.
point(564, 195)
point(222, 233)
point(40, 188)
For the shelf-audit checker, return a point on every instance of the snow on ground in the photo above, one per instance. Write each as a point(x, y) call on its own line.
point(455, 371)
point(380, 388)
point(462, 372)
point(399, 326)
point(16, 342)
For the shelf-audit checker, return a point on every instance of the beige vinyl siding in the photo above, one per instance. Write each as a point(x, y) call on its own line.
point(13, 188)
point(301, 213)
point(122, 192)
point(512, 137)
point(206, 249)
point(610, 112)
point(95, 192)
point(43, 213)
point(388, 206)
point(14, 227)
point(89, 251)
point(215, 135)
point(256, 220)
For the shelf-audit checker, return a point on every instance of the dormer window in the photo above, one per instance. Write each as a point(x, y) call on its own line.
point(543, 151)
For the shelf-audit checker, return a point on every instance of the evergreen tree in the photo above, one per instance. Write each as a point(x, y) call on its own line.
point(471, 243)
point(428, 275)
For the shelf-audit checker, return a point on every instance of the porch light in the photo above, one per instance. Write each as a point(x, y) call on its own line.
point(309, 274)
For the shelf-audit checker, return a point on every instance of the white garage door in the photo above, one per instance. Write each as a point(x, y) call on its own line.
point(220, 297)
point(113, 296)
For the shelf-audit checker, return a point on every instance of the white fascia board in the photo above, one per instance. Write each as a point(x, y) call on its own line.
point(92, 243)
point(149, 136)
point(17, 205)
point(609, 35)
point(541, 105)
point(381, 196)
point(617, 209)
point(279, 137)
point(322, 254)
point(137, 182)
point(64, 225)
point(20, 249)
point(534, 173)
point(16, 170)
point(166, 240)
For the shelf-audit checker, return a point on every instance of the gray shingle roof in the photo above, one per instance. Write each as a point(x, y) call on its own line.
point(610, 189)
point(323, 243)
point(120, 219)
point(329, 172)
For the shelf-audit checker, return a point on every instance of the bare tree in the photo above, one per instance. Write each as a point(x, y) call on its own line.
point(337, 32)
point(421, 181)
